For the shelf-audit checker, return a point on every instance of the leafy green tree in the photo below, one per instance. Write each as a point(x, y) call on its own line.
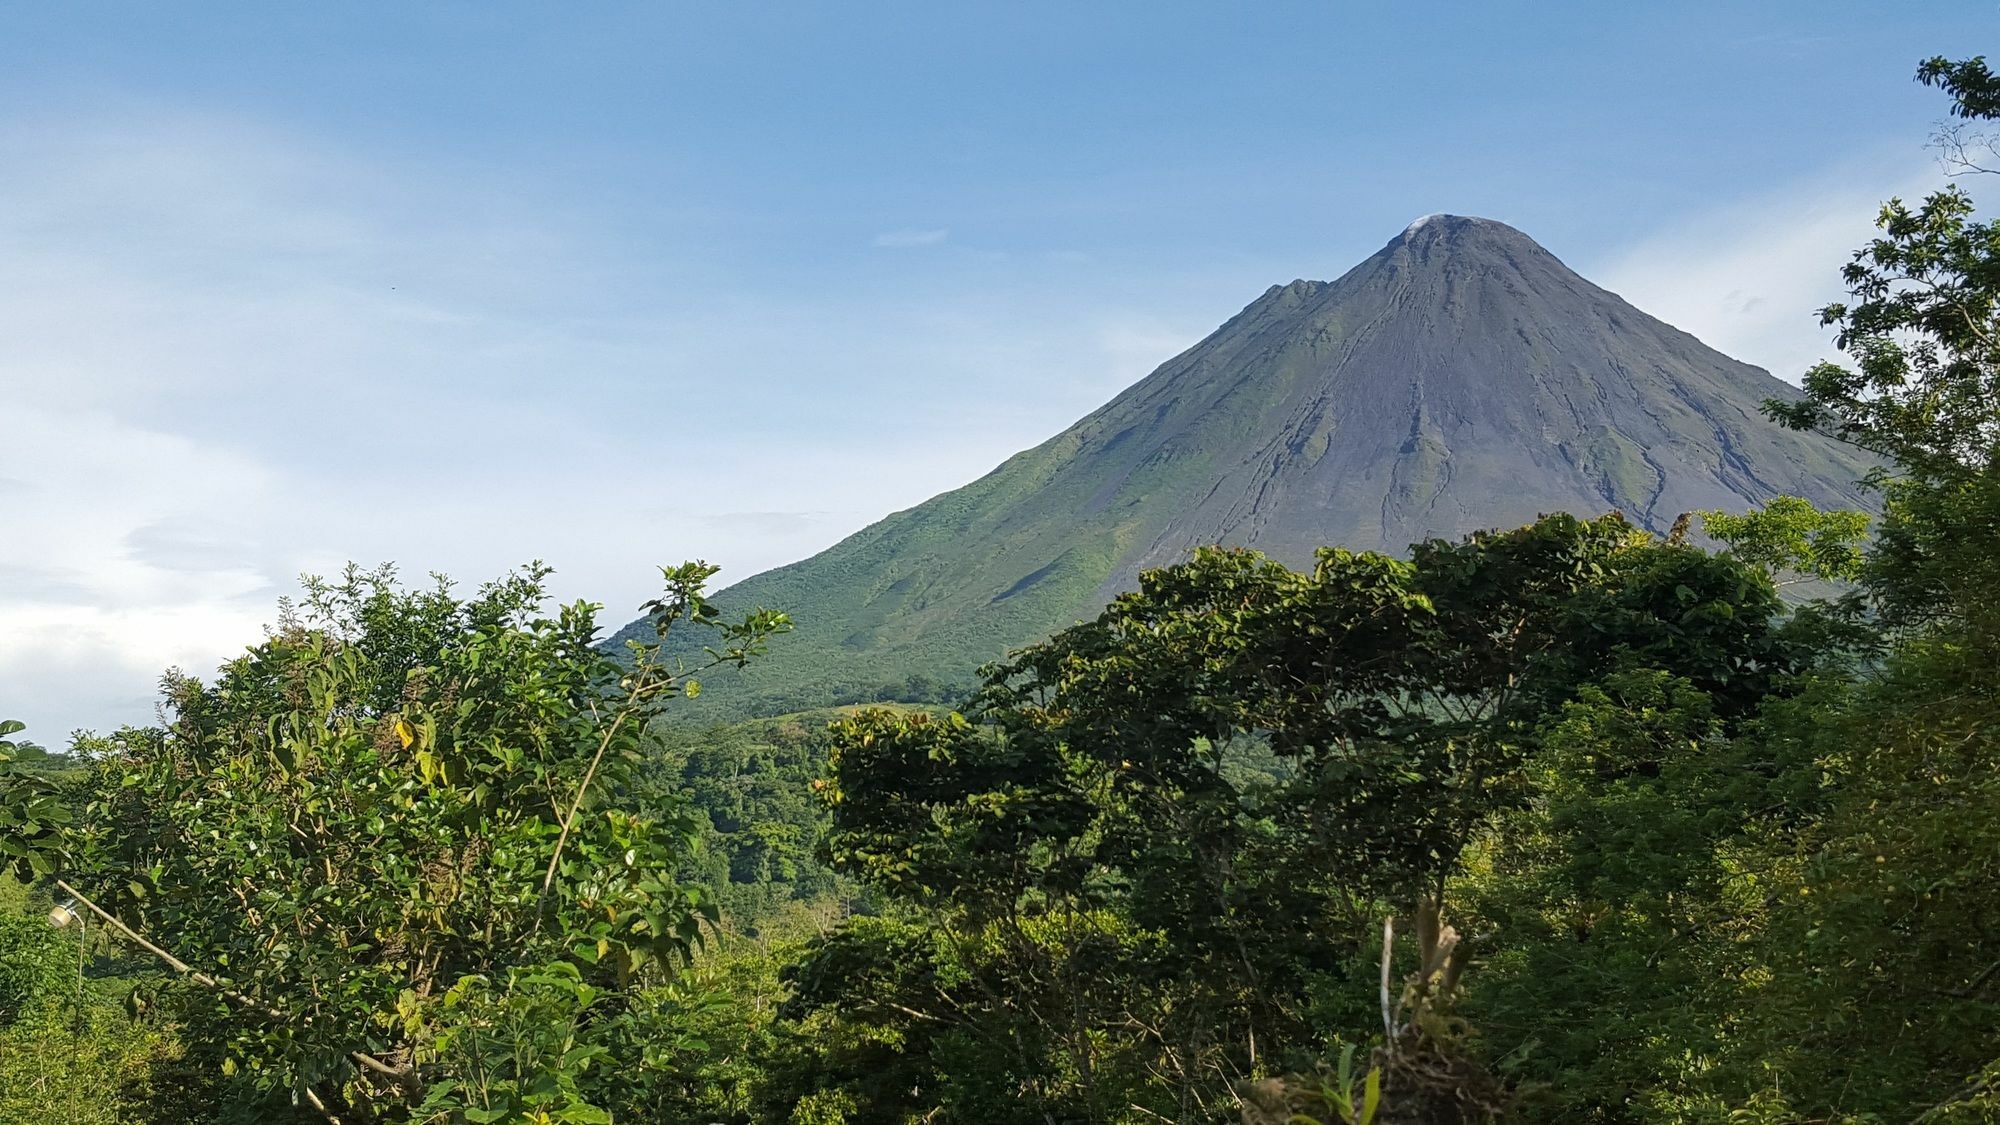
point(1974, 88)
point(33, 812)
point(1613, 914)
point(1878, 996)
point(1793, 541)
point(1105, 916)
point(1876, 950)
point(396, 840)
point(1922, 329)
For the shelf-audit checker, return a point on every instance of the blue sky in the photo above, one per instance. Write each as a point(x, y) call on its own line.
point(463, 285)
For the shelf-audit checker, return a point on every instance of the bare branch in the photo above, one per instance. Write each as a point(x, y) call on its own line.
point(401, 1076)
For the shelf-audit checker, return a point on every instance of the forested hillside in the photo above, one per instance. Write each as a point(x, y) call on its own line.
point(1580, 819)
point(750, 786)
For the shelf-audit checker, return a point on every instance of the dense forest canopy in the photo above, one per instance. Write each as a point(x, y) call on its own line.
point(1567, 822)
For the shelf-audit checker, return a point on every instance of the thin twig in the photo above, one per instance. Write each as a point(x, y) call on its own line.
point(582, 790)
point(313, 1100)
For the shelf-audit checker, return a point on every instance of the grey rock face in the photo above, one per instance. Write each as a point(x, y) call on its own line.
point(1461, 378)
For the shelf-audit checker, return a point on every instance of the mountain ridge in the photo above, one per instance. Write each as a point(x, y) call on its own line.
point(1461, 377)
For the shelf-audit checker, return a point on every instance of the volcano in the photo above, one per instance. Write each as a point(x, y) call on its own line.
point(1461, 378)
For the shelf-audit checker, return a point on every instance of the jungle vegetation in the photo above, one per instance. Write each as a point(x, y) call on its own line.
point(1567, 822)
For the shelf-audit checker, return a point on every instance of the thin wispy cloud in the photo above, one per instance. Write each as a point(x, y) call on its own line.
point(1749, 277)
point(911, 239)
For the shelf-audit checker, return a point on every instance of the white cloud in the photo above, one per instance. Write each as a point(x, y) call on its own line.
point(236, 354)
point(907, 239)
point(108, 568)
point(1749, 277)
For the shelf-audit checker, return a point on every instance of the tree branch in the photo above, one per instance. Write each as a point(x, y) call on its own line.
point(403, 1078)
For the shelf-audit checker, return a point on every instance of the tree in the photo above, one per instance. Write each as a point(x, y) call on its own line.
point(1121, 918)
point(1974, 88)
point(1878, 951)
point(750, 783)
point(32, 810)
point(1922, 328)
point(393, 840)
point(1793, 541)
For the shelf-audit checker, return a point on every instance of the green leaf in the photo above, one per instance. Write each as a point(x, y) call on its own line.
point(1371, 1097)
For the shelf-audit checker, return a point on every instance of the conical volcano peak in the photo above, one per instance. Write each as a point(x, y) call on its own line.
point(1463, 232)
point(1441, 223)
point(1441, 219)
